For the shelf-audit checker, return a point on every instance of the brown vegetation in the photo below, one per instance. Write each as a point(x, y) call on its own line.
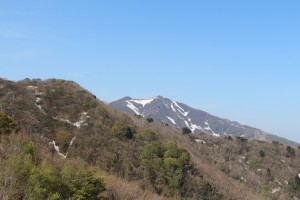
point(137, 159)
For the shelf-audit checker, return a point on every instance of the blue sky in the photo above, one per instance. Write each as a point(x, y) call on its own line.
point(235, 59)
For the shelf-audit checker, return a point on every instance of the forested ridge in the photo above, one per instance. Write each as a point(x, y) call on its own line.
point(59, 141)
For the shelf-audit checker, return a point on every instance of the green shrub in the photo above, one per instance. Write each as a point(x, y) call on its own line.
point(265, 189)
point(149, 135)
point(251, 165)
point(138, 116)
point(186, 130)
point(63, 138)
point(165, 165)
point(89, 103)
point(7, 124)
point(42, 182)
point(262, 153)
point(149, 119)
point(171, 150)
point(29, 149)
point(294, 183)
point(82, 184)
point(207, 191)
point(241, 139)
point(122, 131)
point(290, 152)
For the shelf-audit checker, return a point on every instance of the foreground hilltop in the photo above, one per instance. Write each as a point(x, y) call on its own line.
point(69, 144)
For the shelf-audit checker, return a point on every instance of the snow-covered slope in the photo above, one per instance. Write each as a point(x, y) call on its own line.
point(180, 115)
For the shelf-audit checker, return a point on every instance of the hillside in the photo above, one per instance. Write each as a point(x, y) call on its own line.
point(180, 115)
point(72, 145)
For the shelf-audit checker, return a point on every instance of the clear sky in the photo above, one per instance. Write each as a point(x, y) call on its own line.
point(235, 59)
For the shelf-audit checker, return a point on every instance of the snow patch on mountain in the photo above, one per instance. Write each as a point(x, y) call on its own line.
point(38, 99)
point(237, 125)
point(186, 113)
point(200, 141)
point(195, 127)
point(31, 87)
point(192, 126)
point(56, 148)
point(276, 181)
point(83, 120)
point(172, 120)
point(209, 129)
point(72, 141)
point(37, 93)
point(276, 190)
point(132, 107)
point(216, 134)
point(40, 108)
point(183, 113)
point(178, 106)
point(142, 101)
point(180, 109)
point(173, 108)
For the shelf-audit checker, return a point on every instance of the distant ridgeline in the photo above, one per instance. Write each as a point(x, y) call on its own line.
point(179, 115)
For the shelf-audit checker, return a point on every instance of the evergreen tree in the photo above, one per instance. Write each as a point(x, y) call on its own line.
point(186, 130)
point(7, 124)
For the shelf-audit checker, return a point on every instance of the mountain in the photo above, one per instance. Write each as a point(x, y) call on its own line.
point(180, 115)
point(60, 141)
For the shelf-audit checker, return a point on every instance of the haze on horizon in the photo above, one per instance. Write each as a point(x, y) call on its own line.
point(236, 60)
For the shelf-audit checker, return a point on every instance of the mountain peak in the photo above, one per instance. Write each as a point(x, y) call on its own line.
point(179, 115)
point(126, 98)
point(158, 97)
